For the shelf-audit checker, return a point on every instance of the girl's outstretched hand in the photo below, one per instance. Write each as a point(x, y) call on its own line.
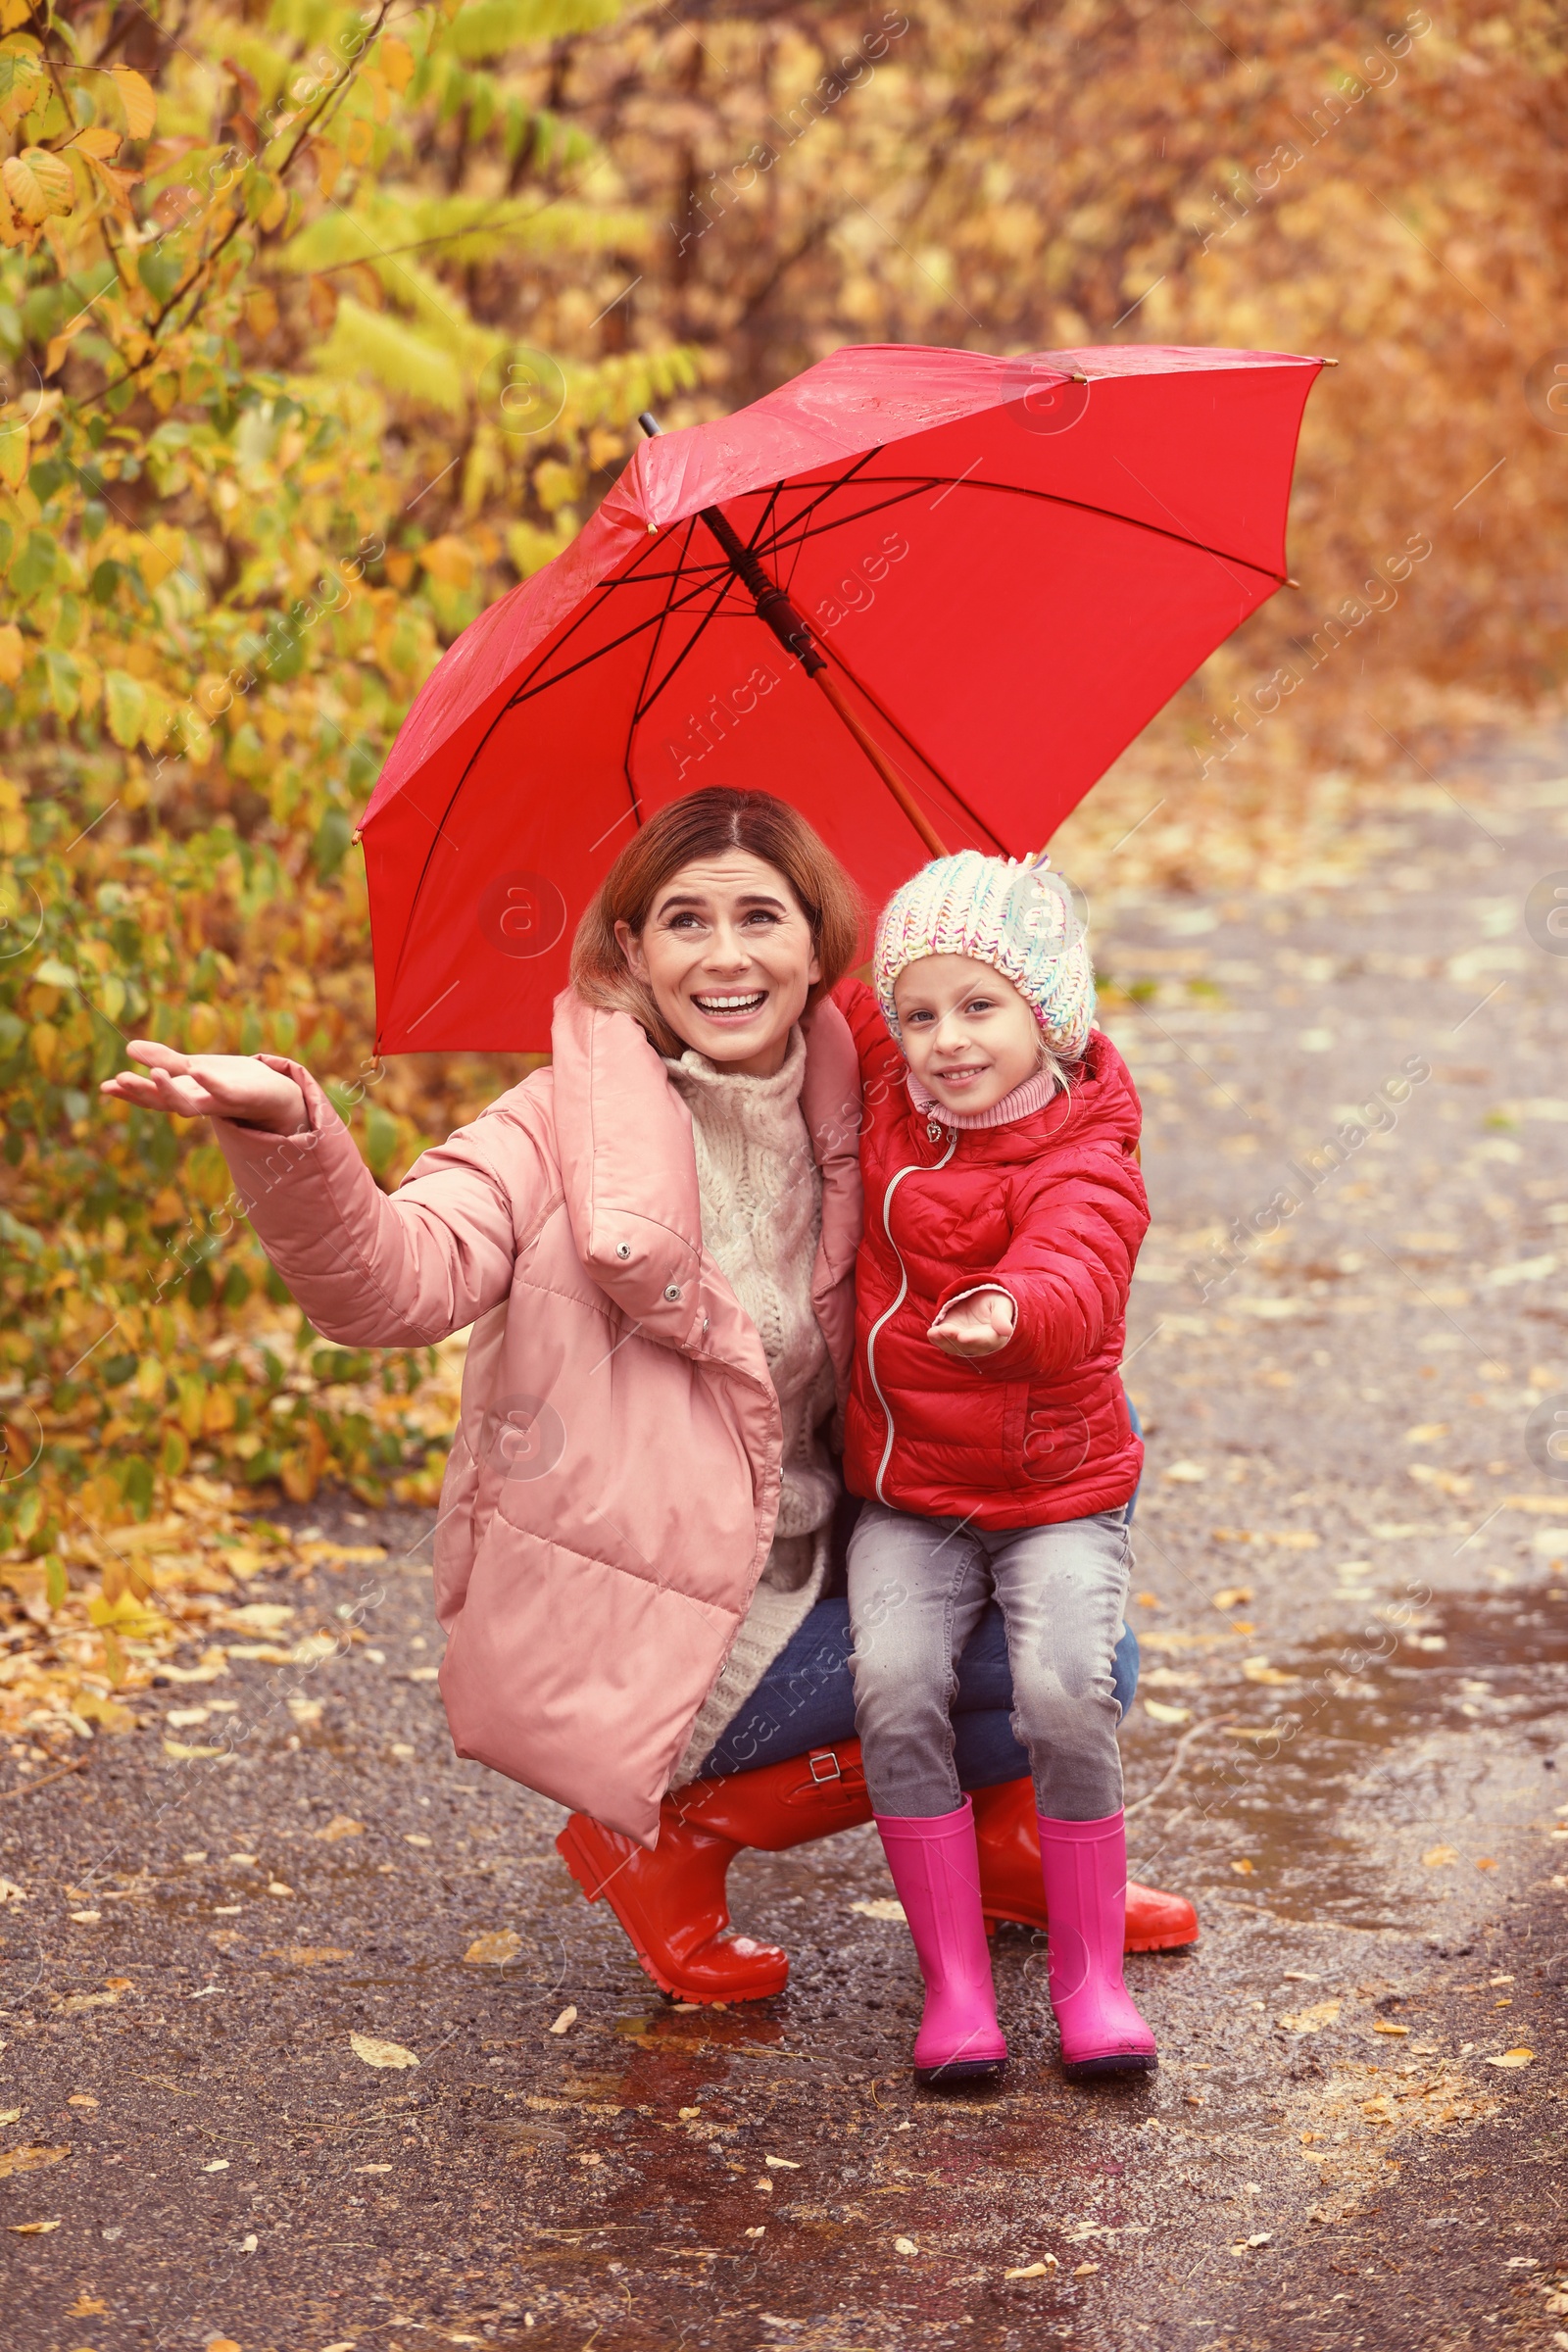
point(976, 1326)
point(213, 1086)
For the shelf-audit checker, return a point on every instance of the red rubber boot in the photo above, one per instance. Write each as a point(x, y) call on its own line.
point(671, 1902)
point(1007, 1832)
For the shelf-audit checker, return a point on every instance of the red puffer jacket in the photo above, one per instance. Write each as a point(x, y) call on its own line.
point(1051, 1208)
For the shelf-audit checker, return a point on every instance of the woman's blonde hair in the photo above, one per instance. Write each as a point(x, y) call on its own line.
point(705, 824)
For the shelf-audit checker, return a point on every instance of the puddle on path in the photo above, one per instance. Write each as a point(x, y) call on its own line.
point(1341, 1754)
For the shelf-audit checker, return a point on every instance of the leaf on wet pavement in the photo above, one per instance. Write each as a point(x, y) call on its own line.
point(1310, 2021)
point(1512, 2058)
point(380, 2053)
point(30, 2160)
point(882, 1906)
point(495, 1949)
point(341, 1825)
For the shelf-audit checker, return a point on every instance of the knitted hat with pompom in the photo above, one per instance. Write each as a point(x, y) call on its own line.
point(1018, 917)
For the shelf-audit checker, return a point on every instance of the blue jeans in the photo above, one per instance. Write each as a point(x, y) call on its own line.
point(807, 1697)
point(918, 1590)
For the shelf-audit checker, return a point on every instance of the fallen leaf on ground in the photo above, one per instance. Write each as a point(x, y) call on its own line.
point(1085, 2270)
point(10, 2115)
point(1036, 2269)
point(380, 2053)
point(1157, 1713)
point(1381, 2025)
point(30, 2160)
point(1185, 1474)
point(565, 2022)
point(413, 1838)
point(1438, 1857)
point(341, 1825)
point(32, 2229)
point(1512, 2058)
point(882, 1906)
point(1233, 1597)
point(11, 1893)
point(905, 2245)
point(1485, 1862)
point(75, 2002)
point(184, 1754)
point(1245, 1869)
point(495, 1949)
point(780, 2164)
point(278, 1886)
point(77, 2098)
point(220, 2164)
point(304, 1955)
point(372, 2167)
point(1310, 2021)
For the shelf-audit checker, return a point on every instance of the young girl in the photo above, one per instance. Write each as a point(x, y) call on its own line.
point(988, 1429)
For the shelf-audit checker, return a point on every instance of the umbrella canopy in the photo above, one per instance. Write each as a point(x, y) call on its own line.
point(1007, 565)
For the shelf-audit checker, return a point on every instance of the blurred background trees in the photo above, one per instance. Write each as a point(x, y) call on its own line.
point(321, 326)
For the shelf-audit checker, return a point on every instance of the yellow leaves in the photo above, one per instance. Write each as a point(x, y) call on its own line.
point(1159, 1713)
point(12, 647)
point(395, 60)
point(13, 454)
point(1512, 2058)
point(30, 2160)
point(1312, 2020)
point(97, 141)
point(1233, 1597)
point(1438, 1857)
point(138, 101)
point(261, 312)
point(124, 707)
point(448, 560)
point(39, 185)
point(380, 2053)
point(43, 1039)
point(495, 1949)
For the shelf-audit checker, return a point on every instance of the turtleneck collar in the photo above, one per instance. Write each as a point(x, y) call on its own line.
point(703, 1082)
point(1034, 1093)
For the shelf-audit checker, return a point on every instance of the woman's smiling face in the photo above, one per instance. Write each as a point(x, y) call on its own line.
point(728, 954)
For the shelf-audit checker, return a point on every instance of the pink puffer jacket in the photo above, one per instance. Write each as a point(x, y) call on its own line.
point(610, 1496)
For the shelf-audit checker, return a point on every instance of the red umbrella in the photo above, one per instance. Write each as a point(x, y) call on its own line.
point(974, 578)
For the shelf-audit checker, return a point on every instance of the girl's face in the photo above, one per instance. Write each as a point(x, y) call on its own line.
point(728, 952)
point(968, 1036)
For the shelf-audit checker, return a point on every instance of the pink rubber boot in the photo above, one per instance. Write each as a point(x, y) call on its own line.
point(1085, 1867)
point(936, 1870)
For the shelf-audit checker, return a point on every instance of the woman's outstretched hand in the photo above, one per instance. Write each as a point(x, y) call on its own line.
point(214, 1086)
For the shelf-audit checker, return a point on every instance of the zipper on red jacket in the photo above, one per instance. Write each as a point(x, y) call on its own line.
point(915, 1168)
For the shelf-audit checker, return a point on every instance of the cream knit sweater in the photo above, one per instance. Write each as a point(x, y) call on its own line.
point(762, 1205)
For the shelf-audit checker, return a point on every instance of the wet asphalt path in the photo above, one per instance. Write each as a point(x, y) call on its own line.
point(1358, 1769)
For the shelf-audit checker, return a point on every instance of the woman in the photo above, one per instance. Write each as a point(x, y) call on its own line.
point(654, 1240)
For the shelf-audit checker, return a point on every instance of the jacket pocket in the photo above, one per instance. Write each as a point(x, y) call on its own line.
point(1055, 1440)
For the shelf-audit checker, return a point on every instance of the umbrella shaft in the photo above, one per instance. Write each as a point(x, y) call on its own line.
point(793, 632)
point(772, 605)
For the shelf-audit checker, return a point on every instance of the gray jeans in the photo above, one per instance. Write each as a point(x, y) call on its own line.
point(918, 1590)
